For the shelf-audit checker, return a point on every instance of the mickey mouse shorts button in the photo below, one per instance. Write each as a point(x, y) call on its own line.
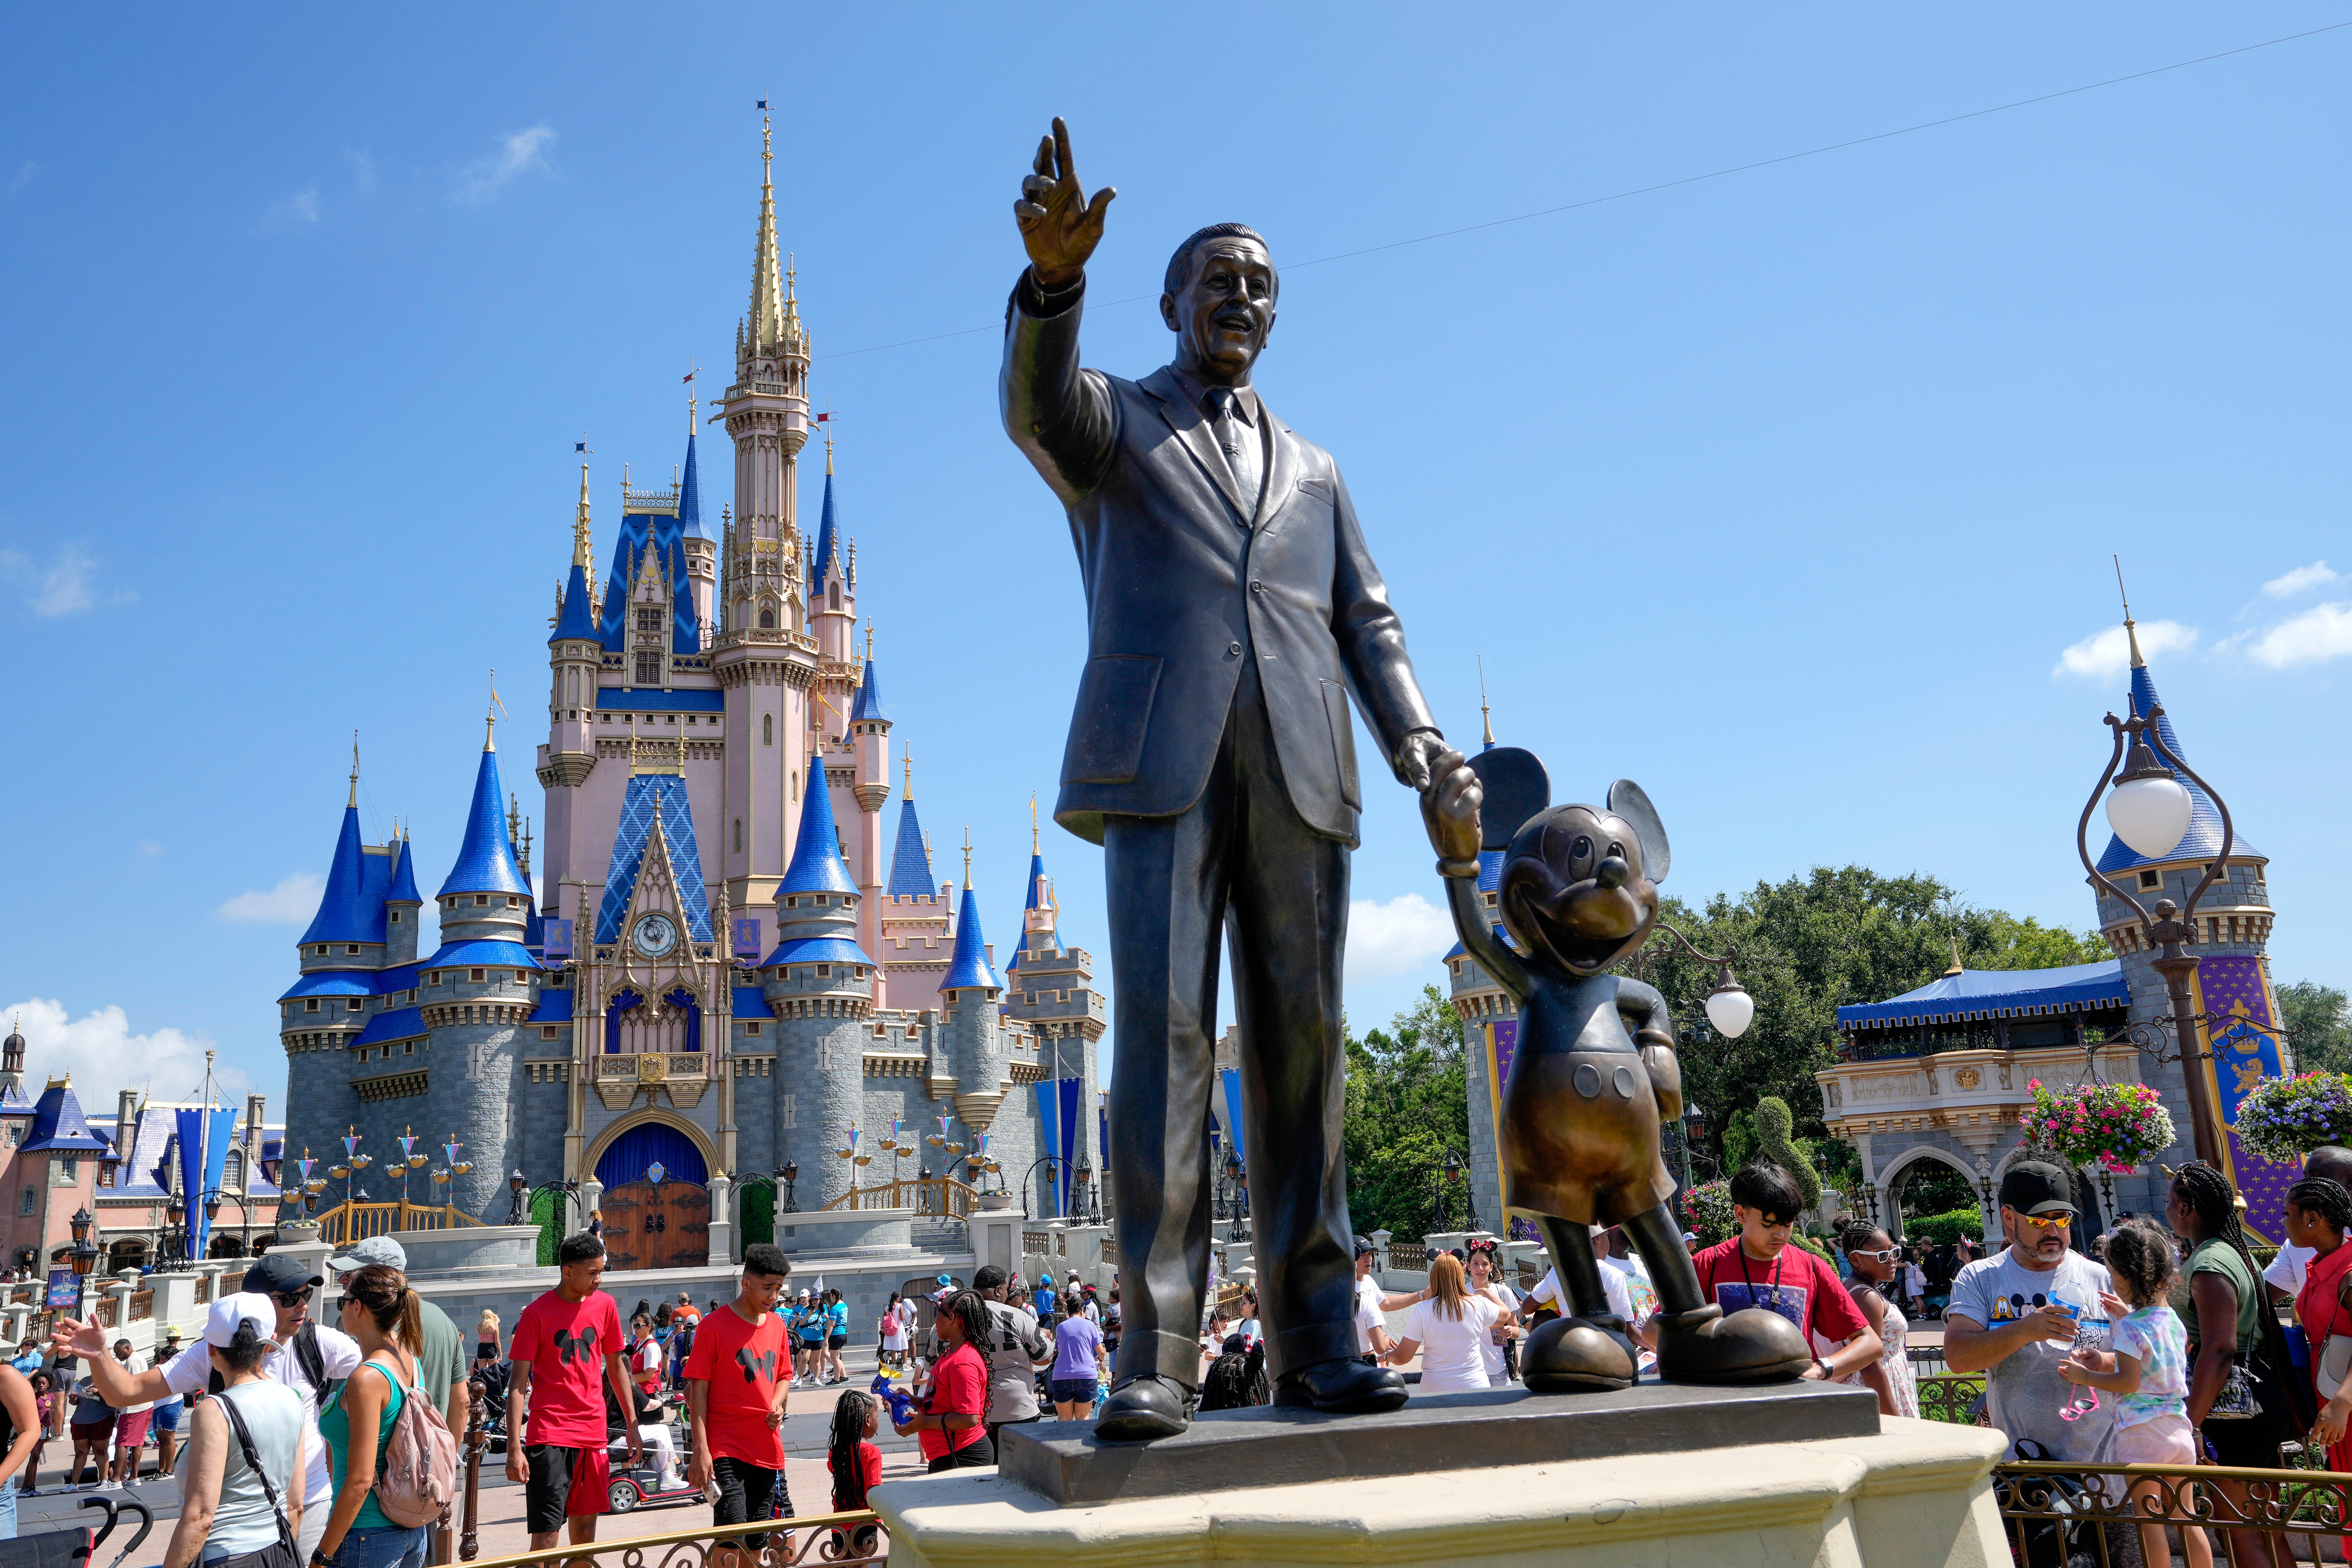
point(1622, 1081)
point(1588, 1081)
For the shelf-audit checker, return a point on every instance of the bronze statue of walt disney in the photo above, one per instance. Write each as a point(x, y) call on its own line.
point(1594, 1075)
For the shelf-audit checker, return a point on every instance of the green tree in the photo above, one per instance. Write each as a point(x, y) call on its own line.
point(1408, 1103)
point(2318, 1026)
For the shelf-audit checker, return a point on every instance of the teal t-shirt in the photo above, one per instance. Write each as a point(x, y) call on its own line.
point(335, 1425)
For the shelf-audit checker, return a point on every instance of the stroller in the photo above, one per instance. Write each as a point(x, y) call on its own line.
point(634, 1486)
point(1237, 1379)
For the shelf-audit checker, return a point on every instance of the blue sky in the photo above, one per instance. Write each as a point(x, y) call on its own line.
point(1785, 493)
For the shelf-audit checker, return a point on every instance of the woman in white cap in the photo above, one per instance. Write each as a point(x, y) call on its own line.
point(241, 1501)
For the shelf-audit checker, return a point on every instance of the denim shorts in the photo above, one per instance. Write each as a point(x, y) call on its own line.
point(382, 1546)
point(1072, 1390)
point(167, 1415)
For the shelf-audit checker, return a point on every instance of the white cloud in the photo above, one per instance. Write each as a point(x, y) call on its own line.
point(1386, 940)
point(2322, 631)
point(2104, 655)
point(291, 903)
point(300, 210)
point(2317, 574)
point(62, 587)
point(362, 168)
point(103, 1056)
point(521, 153)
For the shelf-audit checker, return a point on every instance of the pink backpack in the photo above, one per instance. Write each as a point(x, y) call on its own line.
point(416, 1466)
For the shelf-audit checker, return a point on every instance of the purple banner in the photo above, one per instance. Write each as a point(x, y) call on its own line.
point(2244, 1033)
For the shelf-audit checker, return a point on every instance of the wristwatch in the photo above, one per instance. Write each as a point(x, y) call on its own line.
point(1824, 1366)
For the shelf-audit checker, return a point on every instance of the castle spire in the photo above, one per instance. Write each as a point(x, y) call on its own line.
point(767, 309)
point(355, 769)
point(968, 967)
point(1486, 715)
point(2131, 633)
point(485, 857)
point(584, 556)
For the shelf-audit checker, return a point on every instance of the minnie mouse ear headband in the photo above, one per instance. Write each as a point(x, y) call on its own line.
point(1484, 1243)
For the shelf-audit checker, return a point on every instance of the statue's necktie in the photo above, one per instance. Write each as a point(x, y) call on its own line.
point(1238, 442)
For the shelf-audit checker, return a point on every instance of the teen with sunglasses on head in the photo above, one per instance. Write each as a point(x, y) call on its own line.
point(1875, 1258)
point(308, 1357)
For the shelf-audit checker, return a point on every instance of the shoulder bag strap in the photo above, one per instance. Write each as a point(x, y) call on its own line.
point(253, 1461)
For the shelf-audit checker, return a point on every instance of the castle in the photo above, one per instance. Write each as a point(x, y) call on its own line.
point(725, 974)
point(1934, 1080)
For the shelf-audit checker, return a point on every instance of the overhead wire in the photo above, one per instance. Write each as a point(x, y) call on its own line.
point(1686, 179)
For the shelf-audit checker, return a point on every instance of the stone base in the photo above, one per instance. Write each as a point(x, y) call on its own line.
point(1919, 1495)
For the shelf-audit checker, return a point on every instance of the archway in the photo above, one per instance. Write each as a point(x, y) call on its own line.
point(1927, 1181)
point(656, 1202)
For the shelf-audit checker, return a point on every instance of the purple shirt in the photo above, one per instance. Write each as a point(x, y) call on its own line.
point(1075, 1341)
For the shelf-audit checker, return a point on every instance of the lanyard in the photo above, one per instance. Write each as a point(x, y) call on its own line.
point(1744, 1279)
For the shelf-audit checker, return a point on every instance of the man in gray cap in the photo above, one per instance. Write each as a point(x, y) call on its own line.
point(2017, 1315)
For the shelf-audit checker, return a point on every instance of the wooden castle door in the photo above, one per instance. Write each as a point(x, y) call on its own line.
point(656, 1225)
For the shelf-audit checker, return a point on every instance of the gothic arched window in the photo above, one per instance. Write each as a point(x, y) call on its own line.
point(767, 732)
point(767, 620)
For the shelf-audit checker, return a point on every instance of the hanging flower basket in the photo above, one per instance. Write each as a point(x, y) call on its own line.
point(2115, 1126)
point(1707, 1209)
point(2283, 1119)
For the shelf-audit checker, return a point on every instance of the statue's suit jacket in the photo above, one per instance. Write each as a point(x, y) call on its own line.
point(1183, 582)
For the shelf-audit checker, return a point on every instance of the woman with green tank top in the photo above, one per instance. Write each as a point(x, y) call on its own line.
point(383, 1314)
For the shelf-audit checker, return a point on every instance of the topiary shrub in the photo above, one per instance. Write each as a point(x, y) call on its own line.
point(1774, 1123)
point(1941, 1229)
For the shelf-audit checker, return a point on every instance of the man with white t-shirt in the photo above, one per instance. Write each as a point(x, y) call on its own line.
point(303, 1355)
point(2284, 1276)
point(1629, 1295)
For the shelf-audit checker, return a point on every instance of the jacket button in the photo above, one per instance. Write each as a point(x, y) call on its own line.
point(1232, 649)
point(1258, 588)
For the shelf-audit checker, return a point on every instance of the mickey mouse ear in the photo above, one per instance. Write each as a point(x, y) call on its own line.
point(1516, 787)
point(1627, 801)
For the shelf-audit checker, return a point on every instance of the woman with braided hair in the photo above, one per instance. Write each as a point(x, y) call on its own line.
point(2319, 1216)
point(951, 1427)
point(2237, 1399)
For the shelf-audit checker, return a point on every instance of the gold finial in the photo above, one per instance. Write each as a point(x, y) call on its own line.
point(1034, 847)
point(355, 769)
point(792, 273)
point(491, 715)
point(2131, 634)
point(869, 639)
point(967, 857)
point(910, 775)
point(1956, 969)
point(690, 401)
point(1486, 715)
point(582, 552)
point(828, 449)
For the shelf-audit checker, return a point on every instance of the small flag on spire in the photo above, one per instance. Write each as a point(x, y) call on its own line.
point(579, 447)
point(822, 418)
point(763, 103)
point(689, 375)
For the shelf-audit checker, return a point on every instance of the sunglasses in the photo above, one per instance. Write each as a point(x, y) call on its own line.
point(289, 1298)
point(1884, 1254)
point(2054, 1222)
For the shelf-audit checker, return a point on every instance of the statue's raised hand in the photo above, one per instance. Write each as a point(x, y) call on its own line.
point(1058, 225)
point(1449, 809)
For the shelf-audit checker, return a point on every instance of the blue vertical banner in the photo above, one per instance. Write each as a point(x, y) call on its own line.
point(204, 1152)
point(1233, 1110)
point(1066, 1093)
point(1049, 1124)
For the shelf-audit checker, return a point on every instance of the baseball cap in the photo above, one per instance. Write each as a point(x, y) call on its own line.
point(279, 1274)
point(244, 1307)
point(2034, 1189)
point(375, 1249)
point(1363, 1247)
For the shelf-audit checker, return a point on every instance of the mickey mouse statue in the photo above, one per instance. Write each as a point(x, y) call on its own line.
point(1594, 1073)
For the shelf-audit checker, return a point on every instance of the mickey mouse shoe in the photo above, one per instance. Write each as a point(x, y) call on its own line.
point(1579, 1356)
point(1752, 1345)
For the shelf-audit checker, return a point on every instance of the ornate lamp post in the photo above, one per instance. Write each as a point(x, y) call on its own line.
point(174, 1242)
point(85, 1257)
point(518, 1184)
point(790, 1173)
point(2151, 810)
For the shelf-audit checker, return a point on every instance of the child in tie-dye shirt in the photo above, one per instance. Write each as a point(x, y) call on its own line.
point(2147, 1372)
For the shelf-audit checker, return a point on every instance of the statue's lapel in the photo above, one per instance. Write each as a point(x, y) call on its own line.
point(1192, 430)
point(1282, 474)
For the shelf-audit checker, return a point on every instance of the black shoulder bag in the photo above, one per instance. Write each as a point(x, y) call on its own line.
point(285, 1554)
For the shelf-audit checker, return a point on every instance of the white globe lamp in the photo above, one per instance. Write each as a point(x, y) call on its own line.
point(1730, 1010)
point(2150, 813)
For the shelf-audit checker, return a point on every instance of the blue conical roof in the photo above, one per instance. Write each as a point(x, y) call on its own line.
point(59, 1126)
point(970, 965)
point(346, 914)
point(867, 708)
point(828, 547)
point(816, 853)
point(2204, 835)
point(910, 863)
point(485, 860)
point(404, 878)
point(689, 500)
point(578, 619)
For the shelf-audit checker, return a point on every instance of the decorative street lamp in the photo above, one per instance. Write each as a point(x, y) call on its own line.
point(85, 1257)
point(518, 1184)
point(790, 1173)
point(176, 1228)
point(2150, 812)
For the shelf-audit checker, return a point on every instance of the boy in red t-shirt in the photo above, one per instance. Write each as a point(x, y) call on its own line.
point(1759, 1267)
point(567, 1352)
point(735, 1402)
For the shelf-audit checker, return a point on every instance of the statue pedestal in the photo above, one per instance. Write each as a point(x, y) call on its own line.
point(1916, 1494)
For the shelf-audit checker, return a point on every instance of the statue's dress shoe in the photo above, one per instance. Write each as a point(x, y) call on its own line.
point(1343, 1386)
point(1579, 1356)
point(1751, 1345)
point(1143, 1408)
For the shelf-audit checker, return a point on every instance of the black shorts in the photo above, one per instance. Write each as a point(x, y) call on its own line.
point(837, 1341)
point(971, 1457)
point(566, 1483)
point(743, 1491)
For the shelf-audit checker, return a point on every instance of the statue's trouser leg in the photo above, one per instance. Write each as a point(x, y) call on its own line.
point(1579, 1269)
point(1170, 882)
point(1660, 1242)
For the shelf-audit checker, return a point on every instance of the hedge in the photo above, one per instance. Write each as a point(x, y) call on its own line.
point(1941, 1229)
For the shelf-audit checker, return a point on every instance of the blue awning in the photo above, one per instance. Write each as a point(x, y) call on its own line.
point(1975, 993)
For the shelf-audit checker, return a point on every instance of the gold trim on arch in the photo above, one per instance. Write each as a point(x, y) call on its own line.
point(604, 1139)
